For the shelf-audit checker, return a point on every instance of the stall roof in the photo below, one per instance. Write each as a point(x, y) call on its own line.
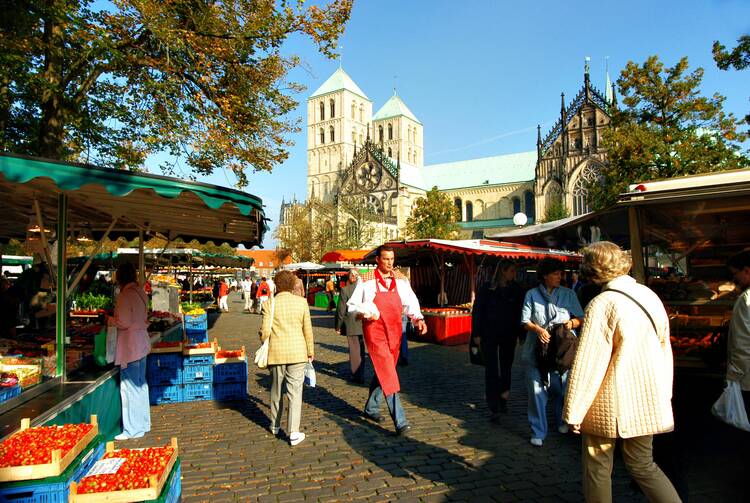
point(173, 256)
point(169, 206)
point(733, 183)
point(344, 256)
point(410, 249)
point(17, 260)
point(303, 266)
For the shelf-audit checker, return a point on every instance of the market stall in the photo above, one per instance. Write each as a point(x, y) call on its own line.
point(445, 275)
point(46, 203)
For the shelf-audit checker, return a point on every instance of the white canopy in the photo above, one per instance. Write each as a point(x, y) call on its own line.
point(304, 266)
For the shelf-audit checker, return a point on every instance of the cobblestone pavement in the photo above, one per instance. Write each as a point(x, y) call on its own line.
point(453, 454)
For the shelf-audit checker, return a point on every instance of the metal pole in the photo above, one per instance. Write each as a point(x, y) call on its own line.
point(62, 283)
point(636, 247)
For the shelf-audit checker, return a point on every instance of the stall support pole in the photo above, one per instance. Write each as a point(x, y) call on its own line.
point(62, 283)
point(636, 246)
point(99, 245)
point(141, 260)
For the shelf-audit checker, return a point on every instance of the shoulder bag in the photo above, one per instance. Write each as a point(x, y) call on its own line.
point(261, 356)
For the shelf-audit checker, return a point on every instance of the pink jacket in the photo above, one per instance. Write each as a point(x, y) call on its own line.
point(131, 320)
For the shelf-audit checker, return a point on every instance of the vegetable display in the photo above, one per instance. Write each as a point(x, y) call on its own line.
point(34, 446)
point(138, 467)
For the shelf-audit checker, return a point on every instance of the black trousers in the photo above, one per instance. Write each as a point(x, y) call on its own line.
point(498, 356)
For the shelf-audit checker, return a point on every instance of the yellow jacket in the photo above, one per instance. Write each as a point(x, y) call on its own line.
point(290, 331)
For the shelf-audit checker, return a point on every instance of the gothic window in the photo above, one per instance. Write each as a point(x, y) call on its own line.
point(553, 196)
point(333, 108)
point(516, 205)
point(408, 155)
point(390, 131)
point(322, 111)
point(322, 136)
point(578, 142)
point(380, 134)
point(332, 134)
point(590, 121)
point(351, 229)
point(328, 230)
point(408, 134)
point(469, 211)
point(354, 110)
point(354, 137)
point(393, 207)
point(361, 113)
point(459, 207)
point(361, 138)
point(479, 205)
point(390, 152)
point(589, 175)
point(528, 200)
point(414, 136)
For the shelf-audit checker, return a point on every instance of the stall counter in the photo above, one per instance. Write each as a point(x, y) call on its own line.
point(447, 326)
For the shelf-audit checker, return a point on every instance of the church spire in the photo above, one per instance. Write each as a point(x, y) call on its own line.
point(538, 141)
point(608, 95)
point(586, 77)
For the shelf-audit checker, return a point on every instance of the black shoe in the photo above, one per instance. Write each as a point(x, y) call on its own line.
point(374, 419)
point(403, 431)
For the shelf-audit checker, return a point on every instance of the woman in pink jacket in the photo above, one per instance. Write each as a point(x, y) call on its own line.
point(620, 385)
point(133, 344)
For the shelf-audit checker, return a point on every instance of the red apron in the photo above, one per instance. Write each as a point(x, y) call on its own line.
point(383, 336)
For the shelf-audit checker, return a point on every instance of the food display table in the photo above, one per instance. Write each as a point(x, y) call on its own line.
point(447, 325)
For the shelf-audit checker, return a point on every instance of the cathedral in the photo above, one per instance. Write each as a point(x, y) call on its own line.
point(379, 158)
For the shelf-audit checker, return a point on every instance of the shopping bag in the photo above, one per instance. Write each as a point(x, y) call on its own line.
point(261, 356)
point(730, 407)
point(310, 375)
point(475, 352)
point(100, 348)
point(111, 343)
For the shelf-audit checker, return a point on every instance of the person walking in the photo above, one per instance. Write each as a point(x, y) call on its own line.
point(620, 385)
point(330, 291)
point(495, 327)
point(223, 296)
point(348, 324)
point(545, 306)
point(380, 298)
point(287, 326)
point(738, 344)
point(247, 293)
point(133, 345)
point(262, 294)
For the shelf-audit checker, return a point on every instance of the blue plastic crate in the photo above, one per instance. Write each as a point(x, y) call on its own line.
point(207, 359)
point(6, 393)
point(198, 373)
point(198, 391)
point(164, 376)
point(196, 335)
point(54, 489)
point(164, 360)
point(230, 372)
point(196, 322)
point(230, 391)
point(165, 394)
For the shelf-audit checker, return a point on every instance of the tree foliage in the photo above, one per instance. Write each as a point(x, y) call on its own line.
point(738, 58)
point(434, 216)
point(205, 81)
point(359, 221)
point(665, 129)
point(555, 211)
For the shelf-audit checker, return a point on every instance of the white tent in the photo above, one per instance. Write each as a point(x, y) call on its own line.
point(303, 266)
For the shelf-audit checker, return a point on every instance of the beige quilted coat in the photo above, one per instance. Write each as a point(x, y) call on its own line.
point(621, 381)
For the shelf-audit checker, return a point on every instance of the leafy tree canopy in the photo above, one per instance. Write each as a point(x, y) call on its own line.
point(205, 81)
point(665, 129)
point(738, 58)
point(434, 216)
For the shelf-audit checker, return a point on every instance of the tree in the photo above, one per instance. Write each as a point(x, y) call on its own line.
point(665, 129)
point(203, 80)
point(555, 211)
point(296, 235)
point(738, 58)
point(434, 216)
point(357, 221)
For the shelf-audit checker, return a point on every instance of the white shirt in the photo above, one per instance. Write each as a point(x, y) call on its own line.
point(364, 294)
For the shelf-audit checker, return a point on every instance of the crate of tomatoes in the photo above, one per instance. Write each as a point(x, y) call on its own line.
point(43, 451)
point(126, 475)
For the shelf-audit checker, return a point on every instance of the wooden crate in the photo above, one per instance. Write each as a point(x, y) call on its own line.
point(241, 359)
point(173, 349)
point(58, 464)
point(201, 351)
point(126, 496)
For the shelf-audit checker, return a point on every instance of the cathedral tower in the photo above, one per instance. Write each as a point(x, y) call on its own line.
point(398, 132)
point(338, 115)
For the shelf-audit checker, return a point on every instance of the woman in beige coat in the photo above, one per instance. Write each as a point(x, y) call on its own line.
point(290, 347)
point(620, 385)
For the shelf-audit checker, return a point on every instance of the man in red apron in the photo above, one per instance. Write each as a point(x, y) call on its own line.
point(390, 293)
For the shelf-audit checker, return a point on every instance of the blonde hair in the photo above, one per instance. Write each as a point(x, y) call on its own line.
point(604, 261)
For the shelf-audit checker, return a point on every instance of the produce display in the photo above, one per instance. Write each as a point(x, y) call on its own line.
point(27, 371)
point(226, 353)
point(8, 379)
point(161, 321)
point(192, 308)
point(163, 279)
point(134, 473)
point(91, 303)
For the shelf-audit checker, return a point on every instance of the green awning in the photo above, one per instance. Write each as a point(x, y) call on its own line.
point(16, 260)
point(169, 206)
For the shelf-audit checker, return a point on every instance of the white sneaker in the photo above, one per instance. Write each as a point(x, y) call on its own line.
point(563, 428)
point(536, 442)
point(122, 436)
point(296, 438)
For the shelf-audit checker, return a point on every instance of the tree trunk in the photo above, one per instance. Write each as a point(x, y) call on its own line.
point(52, 128)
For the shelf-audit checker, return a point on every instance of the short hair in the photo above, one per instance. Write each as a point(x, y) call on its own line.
point(604, 261)
point(263, 278)
point(380, 249)
point(739, 260)
point(549, 265)
point(285, 281)
point(126, 274)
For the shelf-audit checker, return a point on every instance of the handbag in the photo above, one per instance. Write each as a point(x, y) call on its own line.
point(310, 375)
point(730, 407)
point(261, 355)
point(111, 343)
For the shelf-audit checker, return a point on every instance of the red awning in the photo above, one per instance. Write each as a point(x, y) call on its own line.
point(344, 256)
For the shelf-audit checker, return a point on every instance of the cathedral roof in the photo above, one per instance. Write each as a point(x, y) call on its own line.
point(494, 170)
point(394, 107)
point(338, 81)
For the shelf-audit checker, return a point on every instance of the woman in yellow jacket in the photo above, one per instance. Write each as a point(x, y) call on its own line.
point(286, 323)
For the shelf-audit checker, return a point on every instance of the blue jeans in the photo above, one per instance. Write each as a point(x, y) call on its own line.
point(539, 396)
point(136, 414)
point(375, 401)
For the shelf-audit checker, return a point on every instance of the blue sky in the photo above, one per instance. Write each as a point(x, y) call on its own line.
point(481, 74)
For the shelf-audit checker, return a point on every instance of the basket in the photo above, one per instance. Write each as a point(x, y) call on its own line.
point(230, 391)
point(197, 373)
point(165, 394)
point(198, 391)
point(164, 360)
point(230, 373)
point(164, 376)
point(8, 392)
point(196, 322)
point(205, 359)
point(196, 335)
